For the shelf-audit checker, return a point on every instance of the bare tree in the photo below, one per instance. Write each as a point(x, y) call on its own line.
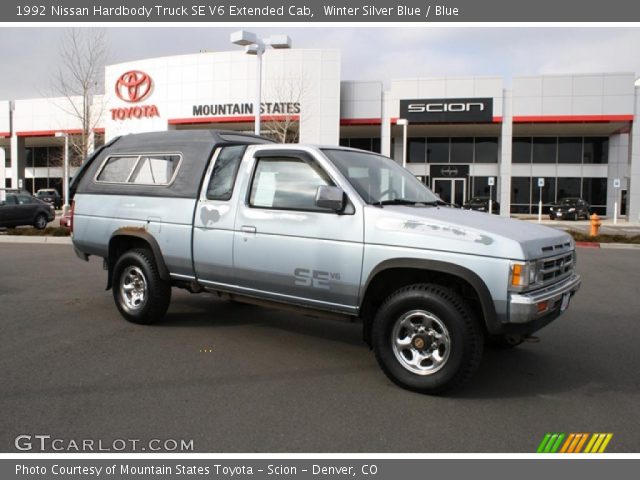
point(82, 57)
point(282, 121)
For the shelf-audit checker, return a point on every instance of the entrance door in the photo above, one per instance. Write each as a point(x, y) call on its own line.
point(451, 190)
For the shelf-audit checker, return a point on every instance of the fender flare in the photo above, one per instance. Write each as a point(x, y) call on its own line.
point(142, 234)
point(486, 302)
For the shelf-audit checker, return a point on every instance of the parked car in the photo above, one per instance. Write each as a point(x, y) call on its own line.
point(481, 204)
point(334, 231)
point(24, 209)
point(570, 208)
point(50, 195)
point(65, 220)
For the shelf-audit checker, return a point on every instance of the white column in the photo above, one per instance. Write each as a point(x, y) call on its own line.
point(18, 157)
point(506, 138)
point(385, 126)
point(633, 195)
point(2, 173)
point(617, 168)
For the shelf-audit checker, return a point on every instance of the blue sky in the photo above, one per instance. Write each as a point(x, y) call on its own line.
point(368, 53)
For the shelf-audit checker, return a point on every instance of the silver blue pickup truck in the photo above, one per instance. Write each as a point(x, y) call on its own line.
point(333, 231)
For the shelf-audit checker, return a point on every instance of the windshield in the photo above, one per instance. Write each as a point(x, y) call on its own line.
point(378, 179)
point(568, 201)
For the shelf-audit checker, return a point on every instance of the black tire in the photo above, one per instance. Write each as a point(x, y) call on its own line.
point(40, 221)
point(139, 293)
point(459, 359)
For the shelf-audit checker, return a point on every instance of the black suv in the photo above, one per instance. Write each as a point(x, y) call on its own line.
point(481, 204)
point(50, 195)
point(24, 209)
point(570, 208)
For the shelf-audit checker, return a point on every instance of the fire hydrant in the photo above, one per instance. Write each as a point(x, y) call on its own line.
point(595, 225)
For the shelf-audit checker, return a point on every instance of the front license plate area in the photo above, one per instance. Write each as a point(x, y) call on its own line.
point(564, 304)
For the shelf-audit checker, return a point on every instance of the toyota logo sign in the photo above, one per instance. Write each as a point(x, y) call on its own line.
point(133, 86)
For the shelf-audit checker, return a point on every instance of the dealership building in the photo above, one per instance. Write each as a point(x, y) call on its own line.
point(521, 140)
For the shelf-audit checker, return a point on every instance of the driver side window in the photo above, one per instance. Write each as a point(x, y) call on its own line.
point(286, 184)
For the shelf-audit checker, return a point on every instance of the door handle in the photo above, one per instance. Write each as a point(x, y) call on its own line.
point(248, 229)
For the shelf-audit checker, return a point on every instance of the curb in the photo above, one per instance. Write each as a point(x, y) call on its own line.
point(611, 246)
point(35, 239)
point(588, 244)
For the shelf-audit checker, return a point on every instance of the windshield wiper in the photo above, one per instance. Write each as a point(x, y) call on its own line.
point(436, 203)
point(401, 201)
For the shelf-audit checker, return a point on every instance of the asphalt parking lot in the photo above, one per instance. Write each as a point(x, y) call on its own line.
point(236, 378)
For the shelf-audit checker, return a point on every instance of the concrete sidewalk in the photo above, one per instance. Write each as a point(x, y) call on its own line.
point(35, 239)
point(623, 227)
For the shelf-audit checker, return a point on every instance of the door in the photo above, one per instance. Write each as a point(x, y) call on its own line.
point(285, 247)
point(25, 212)
point(451, 190)
point(215, 216)
point(9, 211)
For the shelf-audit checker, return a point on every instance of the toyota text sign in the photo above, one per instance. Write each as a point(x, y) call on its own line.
point(447, 110)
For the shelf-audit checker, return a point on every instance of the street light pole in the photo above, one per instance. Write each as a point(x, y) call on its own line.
point(256, 46)
point(257, 104)
point(65, 171)
point(405, 126)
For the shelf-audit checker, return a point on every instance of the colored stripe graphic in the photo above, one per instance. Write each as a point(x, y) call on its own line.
point(550, 443)
point(598, 443)
point(574, 443)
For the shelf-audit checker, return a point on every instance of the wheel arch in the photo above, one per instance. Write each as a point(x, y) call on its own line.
point(390, 275)
point(128, 238)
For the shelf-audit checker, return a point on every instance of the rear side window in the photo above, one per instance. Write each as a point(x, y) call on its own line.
point(225, 170)
point(11, 200)
point(155, 169)
point(144, 169)
point(25, 200)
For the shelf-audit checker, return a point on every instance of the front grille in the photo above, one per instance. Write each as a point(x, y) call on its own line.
point(555, 268)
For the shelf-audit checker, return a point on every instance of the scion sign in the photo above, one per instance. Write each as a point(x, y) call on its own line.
point(447, 110)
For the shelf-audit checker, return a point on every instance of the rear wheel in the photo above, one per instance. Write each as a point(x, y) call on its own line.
point(426, 339)
point(139, 293)
point(40, 222)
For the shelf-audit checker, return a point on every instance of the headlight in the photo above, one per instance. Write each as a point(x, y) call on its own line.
point(522, 275)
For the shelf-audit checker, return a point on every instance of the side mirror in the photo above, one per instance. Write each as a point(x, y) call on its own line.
point(331, 198)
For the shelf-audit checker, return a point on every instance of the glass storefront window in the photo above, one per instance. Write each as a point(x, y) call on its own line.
point(360, 143)
point(368, 144)
point(594, 191)
point(570, 150)
point(481, 188)
point(596, 150)
point(486, 150)
point(521, 190)
point(568, 187)
point(438, 150)
point(416, 150)
point(521, 150)
point(462, 150)
point(545, 149)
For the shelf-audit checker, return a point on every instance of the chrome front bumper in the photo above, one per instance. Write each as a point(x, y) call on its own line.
point(527, 307)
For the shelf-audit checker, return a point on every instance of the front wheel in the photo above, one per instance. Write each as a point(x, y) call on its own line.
point(40, 222)
point(139, 293)
point(426, 339)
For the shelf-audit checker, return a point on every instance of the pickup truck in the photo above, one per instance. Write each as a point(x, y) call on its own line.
point(336, 231)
